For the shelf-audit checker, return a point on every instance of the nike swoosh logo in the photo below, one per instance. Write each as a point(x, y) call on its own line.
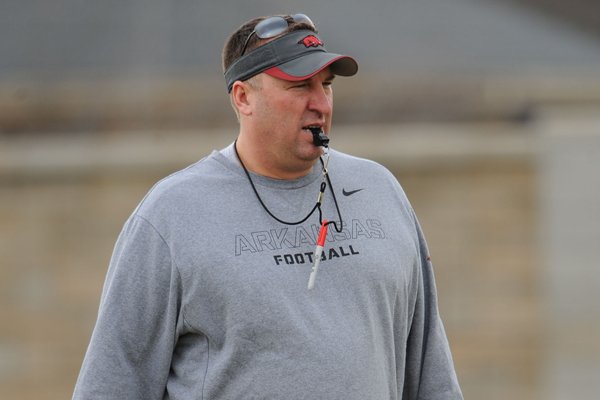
point(351, 192)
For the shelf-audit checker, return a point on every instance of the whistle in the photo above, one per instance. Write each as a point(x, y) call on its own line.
point(319, 138)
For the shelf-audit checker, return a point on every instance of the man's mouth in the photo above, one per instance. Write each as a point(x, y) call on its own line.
point(319, 137)
point(313, 129)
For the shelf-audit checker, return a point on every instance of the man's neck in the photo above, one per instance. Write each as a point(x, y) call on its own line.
point(261, 163)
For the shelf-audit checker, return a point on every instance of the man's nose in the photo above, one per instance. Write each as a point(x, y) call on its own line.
point(321, 100)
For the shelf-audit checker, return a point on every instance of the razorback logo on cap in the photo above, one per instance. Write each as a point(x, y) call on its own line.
point(311, 41)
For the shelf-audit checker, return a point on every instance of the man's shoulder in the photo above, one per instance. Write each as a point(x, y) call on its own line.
point(183, 179)
point(360, 171)
point(358, 165)
point(183, 186)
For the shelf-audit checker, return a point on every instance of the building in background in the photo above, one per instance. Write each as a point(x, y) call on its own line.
point(487, 111)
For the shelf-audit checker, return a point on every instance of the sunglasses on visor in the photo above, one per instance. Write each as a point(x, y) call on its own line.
point(273, 26)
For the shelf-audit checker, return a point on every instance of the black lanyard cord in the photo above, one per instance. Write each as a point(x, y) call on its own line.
point(316, 206)
point(337, 207)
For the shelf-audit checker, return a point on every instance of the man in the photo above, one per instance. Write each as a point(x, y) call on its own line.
point(208, 296)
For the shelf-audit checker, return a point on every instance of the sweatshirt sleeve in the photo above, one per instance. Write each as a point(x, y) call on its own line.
point(130, 351)
point(429, 371)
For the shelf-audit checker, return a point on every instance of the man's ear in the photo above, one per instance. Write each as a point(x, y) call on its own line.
point(241, 96)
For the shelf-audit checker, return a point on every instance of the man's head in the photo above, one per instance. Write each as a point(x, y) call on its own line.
point(279, 76)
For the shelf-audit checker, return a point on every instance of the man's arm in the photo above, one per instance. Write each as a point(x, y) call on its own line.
point(429, 372)
point(130, 351)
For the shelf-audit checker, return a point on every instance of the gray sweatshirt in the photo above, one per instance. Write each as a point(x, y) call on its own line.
point(206, 295)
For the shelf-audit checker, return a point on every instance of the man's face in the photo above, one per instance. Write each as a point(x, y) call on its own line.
point(283, 111)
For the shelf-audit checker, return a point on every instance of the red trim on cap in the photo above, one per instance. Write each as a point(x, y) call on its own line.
point(278, 73)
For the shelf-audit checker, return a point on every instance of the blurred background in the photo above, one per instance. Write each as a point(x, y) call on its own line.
point(487, 111)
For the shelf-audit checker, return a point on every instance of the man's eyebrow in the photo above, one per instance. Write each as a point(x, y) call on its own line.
point(330, 77)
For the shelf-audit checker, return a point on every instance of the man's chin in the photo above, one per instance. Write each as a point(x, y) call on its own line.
point(313, 156)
